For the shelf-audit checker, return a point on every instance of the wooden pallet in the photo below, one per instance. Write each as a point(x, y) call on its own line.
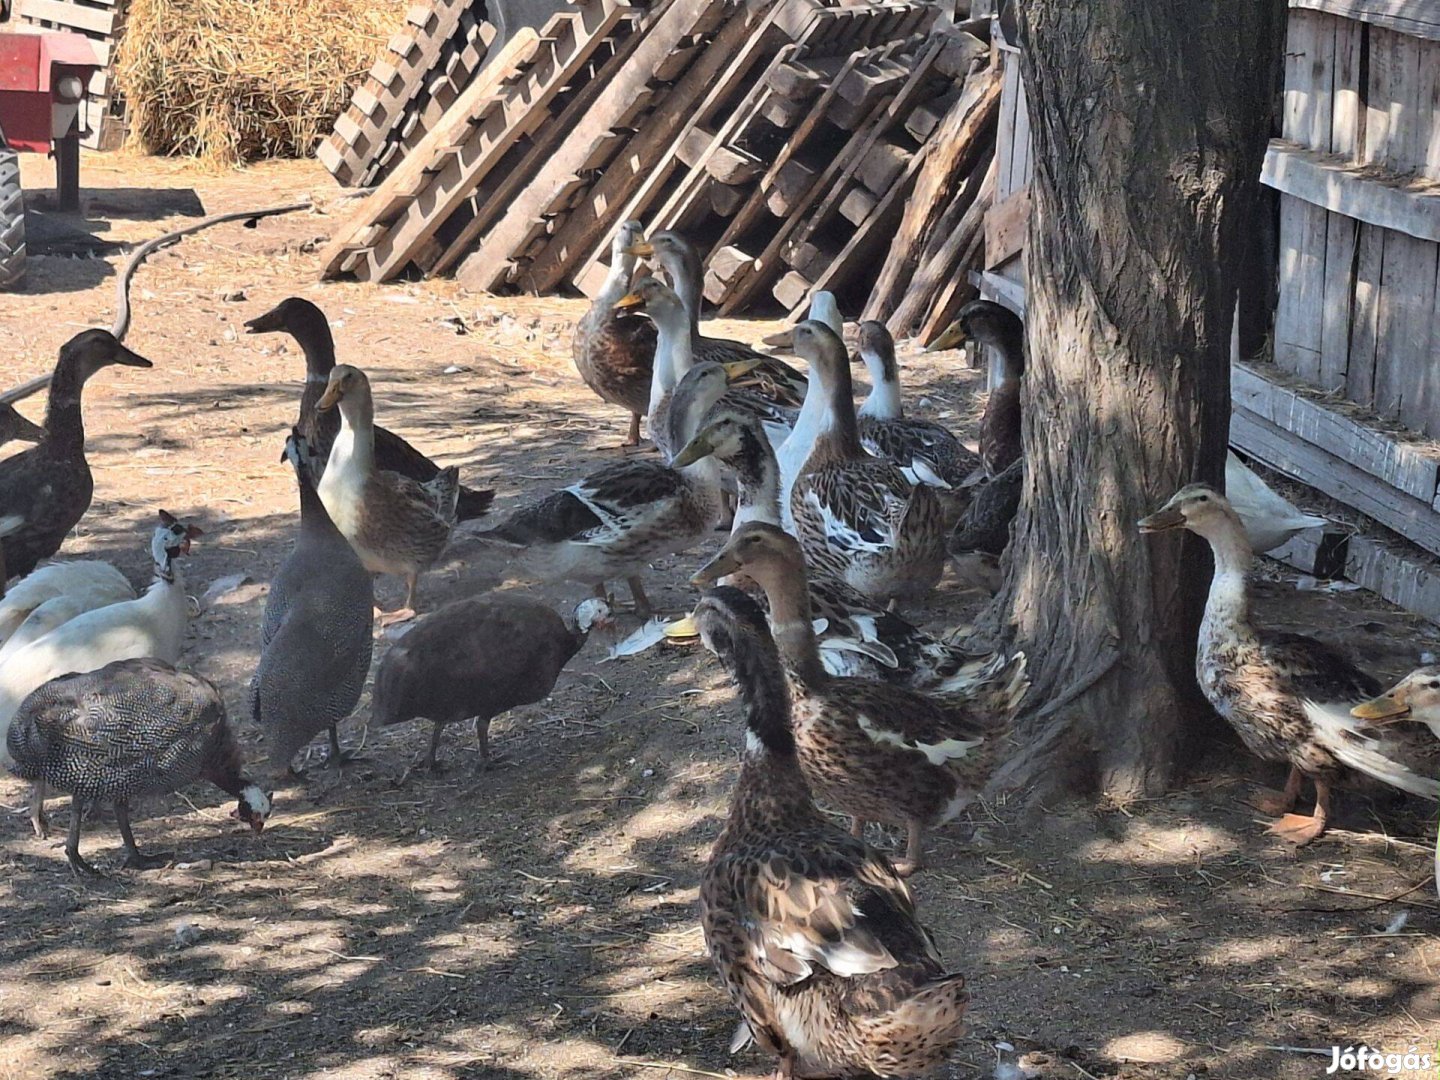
point(102, 115)
point(398, 223)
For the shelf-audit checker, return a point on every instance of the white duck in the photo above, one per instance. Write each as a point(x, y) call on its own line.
point(1270, 522)
point(814, 413)
point(87, 583)
point(151, 626)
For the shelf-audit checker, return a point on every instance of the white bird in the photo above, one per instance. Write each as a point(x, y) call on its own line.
point(1269, 520)
point(82, 580)
point(814, 413)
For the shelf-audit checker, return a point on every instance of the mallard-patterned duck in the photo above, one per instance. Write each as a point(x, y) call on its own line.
point(875, 751)
point(681, 263)
point(813, 416)
point(47, 489)
point(927, 453)
point(14, 426)
point(307, 324)
point(477, 658)
point(857, 637)
point(1260, 680)
point(812, 932)
point(396, 525)
point(616, 521)
point(615, 349)
point(991, 324)
point(994, 502)
point(856, 515)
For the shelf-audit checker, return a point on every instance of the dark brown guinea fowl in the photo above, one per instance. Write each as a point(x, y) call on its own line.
point(46, 490)
point(812, 932)
point(307, 324)
point(479, 657)
point(132, 728)
point(614, 347)
point(991, 324)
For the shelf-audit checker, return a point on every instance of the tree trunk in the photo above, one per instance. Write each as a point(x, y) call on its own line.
point(1149, 119)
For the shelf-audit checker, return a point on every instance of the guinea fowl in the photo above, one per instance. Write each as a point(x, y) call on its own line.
point(874, 750)
point(812, 932)
point(479, 657)
point(14, 426)
point(614, 349)
point(307, 324)
point(991, 324)
point(151, 626)
point(132, 728)
point(316, 635)
point(48, 487)
point(926, 452)
point(1265, 683)
point(396, 525)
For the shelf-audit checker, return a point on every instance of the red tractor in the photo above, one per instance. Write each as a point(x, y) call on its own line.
point(43, 77)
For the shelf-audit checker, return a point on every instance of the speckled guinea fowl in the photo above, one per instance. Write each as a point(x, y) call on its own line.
point(770, 376)
point(131, 728)
point(812, 932)
point(927, 453)
point(14, 426)
point(857, 637)
point(876, 751)
point(396, 525)
point(48, 487)
point(307, 324)
point(994, 502)
point(856, 515)
point(1258, 680)
point(991, 324)
point(316, 634)
point(614, 349)
point(478, 658)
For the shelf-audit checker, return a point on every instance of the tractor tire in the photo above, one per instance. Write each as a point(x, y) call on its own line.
point(12, 220)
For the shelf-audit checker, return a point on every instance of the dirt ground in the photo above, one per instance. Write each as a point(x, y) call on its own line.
point(538, 921)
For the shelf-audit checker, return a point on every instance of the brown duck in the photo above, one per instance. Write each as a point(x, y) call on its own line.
point(813, 933)
point(991, 324)
point(614, 348)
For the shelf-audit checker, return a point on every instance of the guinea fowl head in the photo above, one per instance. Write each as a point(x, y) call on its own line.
point(253, 807)
point(592, 614)
point(171, 539)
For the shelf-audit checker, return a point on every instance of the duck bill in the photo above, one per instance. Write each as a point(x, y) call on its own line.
point(630, 300)
point(130, 358)
point(737, 369)
point(693, 451)
point(265, 324)
point(1162, 521)
point(952, 337)
point(330, 398)
point(642, 250)
point(1385, 707)
point(718, 567)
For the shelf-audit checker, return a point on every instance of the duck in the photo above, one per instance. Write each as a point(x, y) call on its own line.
point(1261, 680)
point(90, 582)
point(856, 515)
point(131, 728)
point(813, 415)
point(984, 525)
point(151, 626)
point(873, 750)
point(14, 427)
point(992, 324)
point(48, 487)
point(926, 452)
point(395, 524)
point(316, 633)
point(478, 658)
point(813, 933)
point(856, 636)
point(614, 349)
point(307, 324)
point(616, 521)
point(1269, 519)
point(681, 263)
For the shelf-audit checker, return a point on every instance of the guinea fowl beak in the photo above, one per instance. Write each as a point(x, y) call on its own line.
point(642, 250)
point(331, 397)
point(1389, 706)
point(1161, 521)
point(952, 337)
point(722, 564)
point(697, 448)
point(129, 358)
point(630, 300)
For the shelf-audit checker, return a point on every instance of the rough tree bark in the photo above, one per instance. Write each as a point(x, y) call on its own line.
point(1149, 120)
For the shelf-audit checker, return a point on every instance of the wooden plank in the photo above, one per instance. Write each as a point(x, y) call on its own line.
point(1006, 226)
point(1364, 327)
point(77, 16)
point(1299, 94)
point(1340, 255)
point(1297, 317)
point(1407, 305)
point(1427, 111)
point(1405, 578)
point(1022, 164)
point(1418, 18)
point(1406, 205)
point(1005, 136)
point(1347, 109)
point(857, 205)
point(1411, 469)
point(1322, 82)
point(1303, 461)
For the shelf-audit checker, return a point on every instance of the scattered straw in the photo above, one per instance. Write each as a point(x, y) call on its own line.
point(231, 81)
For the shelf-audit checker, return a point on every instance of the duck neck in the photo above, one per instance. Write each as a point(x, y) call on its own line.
point(314, 518)
point(1227, 608)
point(839, 436)
point(788, 593)
point(354, 446)
point(759, 478)
point(1009, 346)
point(883, 402)
point(685, 273)
point(64, 423)
point(674, 356)
point(769, 766)
point(312, 333)
point(617, 281)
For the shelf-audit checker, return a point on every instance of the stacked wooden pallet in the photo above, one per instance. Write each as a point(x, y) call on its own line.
point(102, 118)
point(786, 138)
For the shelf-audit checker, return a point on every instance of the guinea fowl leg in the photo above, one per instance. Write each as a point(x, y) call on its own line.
point(1300, 830)
point(338, 756)
point(38, 821)
point(642, 602)
point(133, 858)
point(1278, 803)
point(406, 613)
point(72, 842)
point(434, 747)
